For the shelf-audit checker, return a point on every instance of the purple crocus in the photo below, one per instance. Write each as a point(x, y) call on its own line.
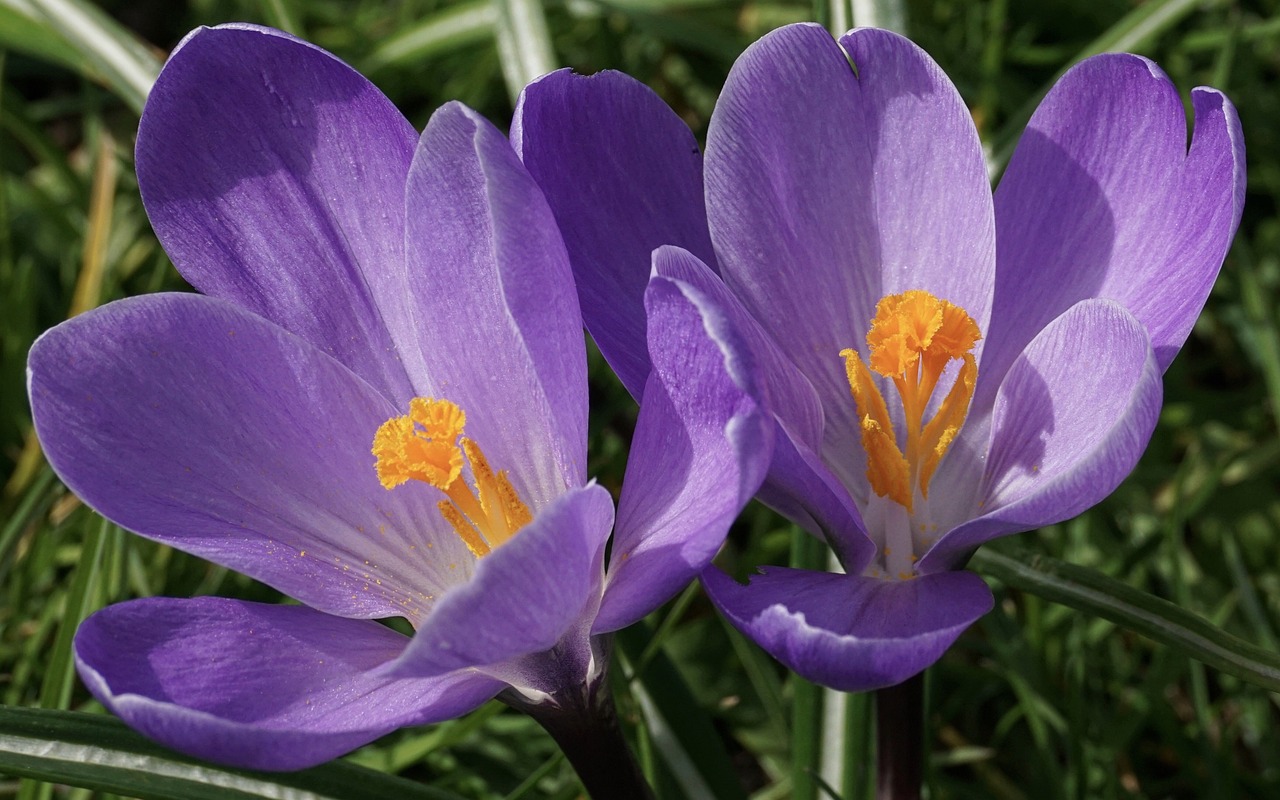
point(378, 406)
point(945, 366)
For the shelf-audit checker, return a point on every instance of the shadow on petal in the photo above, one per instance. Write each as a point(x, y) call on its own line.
point(848, 632)
point(256, 685)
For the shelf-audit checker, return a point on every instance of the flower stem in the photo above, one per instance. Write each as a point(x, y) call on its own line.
point(584, 722)
point(900, 740)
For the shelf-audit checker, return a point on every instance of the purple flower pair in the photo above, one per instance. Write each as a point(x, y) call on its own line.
point(944, 367)
point(378, 407)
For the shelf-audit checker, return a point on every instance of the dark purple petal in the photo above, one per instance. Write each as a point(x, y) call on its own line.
point(494, 312)
point(799, 485)
point(827, 190)
point(199, 424)
point(623, 175)
point(1071, 419)
point(274, 174)
point(1103, 199)
point(701, 448)
point(259, 686)
point(524, 596)
point(851, 632)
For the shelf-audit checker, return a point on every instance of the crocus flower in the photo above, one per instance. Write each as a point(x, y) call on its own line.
point(378, 406)
point(945, 366)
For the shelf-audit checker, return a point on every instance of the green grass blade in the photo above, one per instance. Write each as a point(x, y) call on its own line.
point(81, 596)
point(1132, 33)
point(98, 752)
point(807, 552)
point(452, 28)
point(693, 743)
point(524, 43)
point(1088, 590)
point(127, 66)
point(23, 31)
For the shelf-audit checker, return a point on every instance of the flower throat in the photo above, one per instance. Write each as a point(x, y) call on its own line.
point(427, 445)
point(913, 338)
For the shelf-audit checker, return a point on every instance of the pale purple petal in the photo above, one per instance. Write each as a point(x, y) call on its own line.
point(495, 315)
point(701, 448)
point(799, 485)
point(1071, 419)
point(199, 424)
point(623, 175)
point(524, 596)
point(259, 686)
point(273, 175)
point(1103, 199)
point(827, 190)
point(851, 633)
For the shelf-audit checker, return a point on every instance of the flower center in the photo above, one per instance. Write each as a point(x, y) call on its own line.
point(913, 337)
point(427, 445)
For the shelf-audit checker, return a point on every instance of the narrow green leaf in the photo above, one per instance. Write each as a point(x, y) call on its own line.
point(98, 752)
point(1134, 32)
point(524, 43)
point(807, 552)
point(127, 66)
point(60, 677)
point(22, 30)
point(1091, 591)
point(451, 28)
point(682, 731)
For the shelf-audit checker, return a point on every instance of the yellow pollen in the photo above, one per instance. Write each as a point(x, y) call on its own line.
point(427, 445)
point(913, 337)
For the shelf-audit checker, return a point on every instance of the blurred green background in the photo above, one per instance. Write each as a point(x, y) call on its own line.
point(1036, 700)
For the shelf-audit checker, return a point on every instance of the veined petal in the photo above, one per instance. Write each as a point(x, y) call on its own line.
point(495, 316)
point(524, 595)
point(259, 686)
point(825, 193)
point(1071, 419)
point(701, 449)
point(798, 485)
point(196, 423)
point(273, 175)
point(850, 632)
point(1103, 199)
point(623, 175)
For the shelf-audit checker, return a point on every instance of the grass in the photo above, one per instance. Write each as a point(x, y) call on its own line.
point(1037, 700)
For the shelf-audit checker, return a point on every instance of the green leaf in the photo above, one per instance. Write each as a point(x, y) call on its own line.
point(1091, 591)
point(21, 30)
point(98, 752)
point(686, 737)
point(451, 28)
point(124, 63)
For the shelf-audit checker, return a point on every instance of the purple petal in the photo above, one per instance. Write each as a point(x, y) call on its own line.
point(1071, 419)
point(524, 596)
point(827, 190)
point(1103, 199)
point(494, 308)
point(274, 174)
point(701, 449)
point(799, 485)
point(623, 174)
point(801, 488)
point(851, 632)
point(199, 424)
point(258, 686)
